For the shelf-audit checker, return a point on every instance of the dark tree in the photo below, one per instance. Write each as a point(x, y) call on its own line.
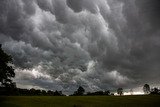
point(44, 92)
point(38, 92)
point(6, 70)
point(99, 93)
point(107, 92)
point(32, 91)
point(80, 91)
point(120, 91)
point(146, 88)
point(155, 91)
point(58, 93)
point(49, 92)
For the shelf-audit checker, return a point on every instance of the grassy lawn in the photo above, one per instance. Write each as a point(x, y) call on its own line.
point(81, 101)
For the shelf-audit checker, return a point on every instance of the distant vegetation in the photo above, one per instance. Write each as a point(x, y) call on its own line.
point(28, 92)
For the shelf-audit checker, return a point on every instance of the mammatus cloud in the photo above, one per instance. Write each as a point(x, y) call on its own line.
point(99, 44)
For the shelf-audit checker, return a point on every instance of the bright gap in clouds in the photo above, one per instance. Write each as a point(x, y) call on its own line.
point(134, 93)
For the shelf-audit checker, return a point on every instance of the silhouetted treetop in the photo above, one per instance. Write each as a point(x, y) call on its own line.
point(80, 91)
point(6, 70)
point(146, 88)
point(120, 91)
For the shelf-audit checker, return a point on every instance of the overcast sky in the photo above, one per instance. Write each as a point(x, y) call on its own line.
point(98, 44)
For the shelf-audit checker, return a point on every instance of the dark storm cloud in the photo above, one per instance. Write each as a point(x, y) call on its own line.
point(75, 5)
point(80, 5)
point(141, 54)
point(150, 11)
point(98, 44)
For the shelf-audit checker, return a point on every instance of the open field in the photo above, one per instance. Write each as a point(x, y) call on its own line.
point(81, 101)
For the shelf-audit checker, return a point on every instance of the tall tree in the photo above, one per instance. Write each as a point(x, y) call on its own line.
point(80, 91)
point(6, 70)
point(146, 88)
point(120, 91)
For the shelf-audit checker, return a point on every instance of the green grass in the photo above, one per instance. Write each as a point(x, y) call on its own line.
point(81, 101)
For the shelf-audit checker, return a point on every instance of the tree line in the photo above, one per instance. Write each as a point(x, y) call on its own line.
point(81, 92)
point(28, 92)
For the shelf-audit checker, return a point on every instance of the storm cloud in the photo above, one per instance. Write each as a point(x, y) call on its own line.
point(99, 44)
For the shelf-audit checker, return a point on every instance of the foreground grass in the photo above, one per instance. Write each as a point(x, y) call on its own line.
point(81, 101)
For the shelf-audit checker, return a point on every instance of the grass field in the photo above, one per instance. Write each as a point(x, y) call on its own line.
point(81, 101)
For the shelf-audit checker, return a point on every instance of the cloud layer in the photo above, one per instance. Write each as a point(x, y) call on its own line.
point(99, 44)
